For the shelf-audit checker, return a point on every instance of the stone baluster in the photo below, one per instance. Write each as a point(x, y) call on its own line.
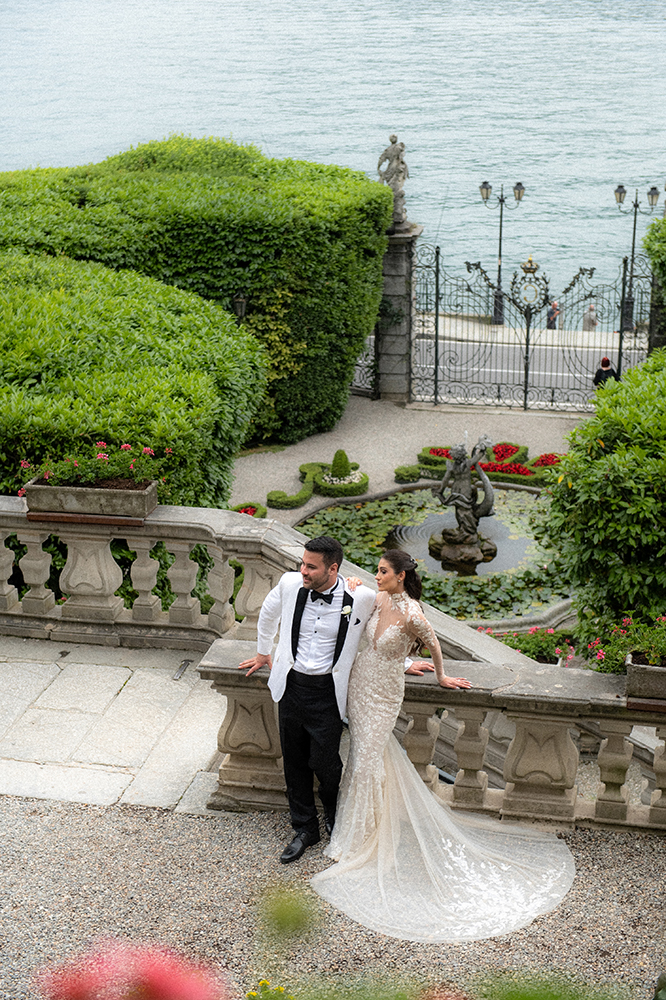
point(420, 738)
point(147, 607)
point(259, 579)
point(8, 593)
point(182, 574)
point(90, 579)
point(36, 567)
point(658, 805)
point(221, 616)
point(251, 775)
point(471, 781)
point(540, 769)
point(614, 758)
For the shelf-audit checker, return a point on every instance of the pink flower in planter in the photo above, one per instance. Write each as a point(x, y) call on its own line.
point(148, 451)
point(535, 628)
point(103, 456)
point(76, 463)
point(601, 655)
point(168, 451)
point(550, 631)
point(126, 447)
point(47, 474)
point(101, 444)
point(21, 492)
point(24, 464)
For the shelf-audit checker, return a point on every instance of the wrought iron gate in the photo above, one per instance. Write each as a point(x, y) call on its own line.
point(459, 354)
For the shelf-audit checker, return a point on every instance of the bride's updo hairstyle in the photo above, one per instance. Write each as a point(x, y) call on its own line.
point(399, 561)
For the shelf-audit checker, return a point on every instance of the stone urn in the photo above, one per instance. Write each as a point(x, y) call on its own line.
point(99, 500)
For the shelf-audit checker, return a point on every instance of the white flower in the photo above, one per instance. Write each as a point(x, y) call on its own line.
point(347, 609)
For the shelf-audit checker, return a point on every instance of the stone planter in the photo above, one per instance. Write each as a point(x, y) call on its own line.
point(91, 500)
point(645, 680)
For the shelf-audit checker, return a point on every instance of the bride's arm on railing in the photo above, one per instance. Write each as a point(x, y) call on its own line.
point(422, 630)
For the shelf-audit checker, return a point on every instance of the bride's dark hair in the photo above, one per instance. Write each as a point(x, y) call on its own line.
point(399, 561)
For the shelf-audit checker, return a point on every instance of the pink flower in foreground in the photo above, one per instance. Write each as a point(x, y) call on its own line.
point(76, 463)
point(21, 492)
point(126, 447)
point(558, 650)
point(47, 474)
point(600, 654)
point(24, 464)
point(168, 451)
point(103, 456)
point(148, 451)
point(101, 444)
point(550, 631)
point(535, 628)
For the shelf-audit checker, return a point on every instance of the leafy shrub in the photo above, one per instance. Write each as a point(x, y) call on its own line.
point(252, 509)
point(340, 466)
point(407, 474)
point(608, 511)
point(280, 500)
point(340, 489)
point(302, 241)
point(546, 645)
point(88, 353)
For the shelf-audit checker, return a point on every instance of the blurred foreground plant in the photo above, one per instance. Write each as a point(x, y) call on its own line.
point(118, 971)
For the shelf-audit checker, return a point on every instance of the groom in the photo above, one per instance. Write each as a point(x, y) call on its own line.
point(321, 627)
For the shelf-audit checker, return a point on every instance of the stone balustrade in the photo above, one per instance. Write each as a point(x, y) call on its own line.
point(544, 703)
point(539, 710)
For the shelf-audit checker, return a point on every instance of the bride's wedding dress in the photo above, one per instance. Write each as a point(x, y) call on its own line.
point(407, 866)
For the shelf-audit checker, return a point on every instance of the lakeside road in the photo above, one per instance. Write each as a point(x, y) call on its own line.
point(73, 874)
point(380, 435)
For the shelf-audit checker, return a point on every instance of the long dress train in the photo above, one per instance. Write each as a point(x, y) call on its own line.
point(406, 865)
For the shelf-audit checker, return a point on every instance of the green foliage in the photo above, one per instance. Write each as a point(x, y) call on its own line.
point(340, 467)
point(655, 245)
point(89, 354)
point(327, 489)
point(407, 474)
point(363, 528)
point(303, 242)
point(280, 500)
point(246, 508)
point(608, 510)
point(539, 986)
point(137, 464)
point(606, 642)
point(288, 912)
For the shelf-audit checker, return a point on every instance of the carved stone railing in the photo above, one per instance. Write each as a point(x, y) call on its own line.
point(93, 612)
point(544, 703)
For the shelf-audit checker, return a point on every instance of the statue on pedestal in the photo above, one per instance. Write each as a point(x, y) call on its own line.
point(395, 174)
point(463, 547)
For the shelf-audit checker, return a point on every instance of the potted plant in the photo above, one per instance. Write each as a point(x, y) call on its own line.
point(126, 482)
point(545, 645)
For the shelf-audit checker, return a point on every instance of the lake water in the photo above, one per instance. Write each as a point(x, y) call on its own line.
point(566, 97)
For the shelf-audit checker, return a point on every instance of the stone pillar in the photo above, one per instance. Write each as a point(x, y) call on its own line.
point(221, 616)
point(36, 568)
point(420, 738)
point(8, 594)
point(658, 806)
point(182, 575)
point(90, 579)
point(259, 578)
point(540, 769)
point(147, 607)
point(393, 349)
point(470, 746)
point(614, 759)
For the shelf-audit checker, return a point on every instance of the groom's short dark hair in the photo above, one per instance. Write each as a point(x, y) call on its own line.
point(329, 548)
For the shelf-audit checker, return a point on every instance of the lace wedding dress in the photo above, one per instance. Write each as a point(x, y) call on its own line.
point(407, 866)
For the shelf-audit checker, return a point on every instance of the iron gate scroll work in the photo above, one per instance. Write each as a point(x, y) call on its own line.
point(458, 355)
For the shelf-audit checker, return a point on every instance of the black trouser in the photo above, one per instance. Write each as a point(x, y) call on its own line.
point(310, 730)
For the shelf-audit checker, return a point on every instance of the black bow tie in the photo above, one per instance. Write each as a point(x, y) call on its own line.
point(316, 596)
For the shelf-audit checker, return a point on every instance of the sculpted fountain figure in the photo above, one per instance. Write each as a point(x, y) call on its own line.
point(395, 173)
point(462, 548)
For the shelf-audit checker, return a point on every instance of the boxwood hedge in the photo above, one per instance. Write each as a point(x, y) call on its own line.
point(89, 353)
point(303, 242)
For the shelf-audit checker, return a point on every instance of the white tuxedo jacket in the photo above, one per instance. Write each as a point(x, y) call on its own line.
point(278, 610)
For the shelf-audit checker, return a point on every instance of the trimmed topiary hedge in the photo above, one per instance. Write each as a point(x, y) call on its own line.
point(506, 462)
point(302, 242)
point(87, 353)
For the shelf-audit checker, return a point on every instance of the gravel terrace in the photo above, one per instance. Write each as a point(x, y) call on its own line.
point(74, 873)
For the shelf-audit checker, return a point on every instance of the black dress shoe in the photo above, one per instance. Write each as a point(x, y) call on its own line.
point(329, 823)
point(296, 849)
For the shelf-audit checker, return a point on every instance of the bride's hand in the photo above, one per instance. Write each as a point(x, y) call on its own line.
point(454, 682)
point(353, 582)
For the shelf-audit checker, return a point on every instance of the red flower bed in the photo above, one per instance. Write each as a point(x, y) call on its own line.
point(548, 459)
point(513, 468)
point(248, 510)
point(503, 451)
point(440, 452)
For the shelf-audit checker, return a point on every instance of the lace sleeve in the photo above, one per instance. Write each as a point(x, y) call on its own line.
point(417, 624)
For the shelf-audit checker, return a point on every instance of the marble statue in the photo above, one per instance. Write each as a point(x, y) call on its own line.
point(395, 173)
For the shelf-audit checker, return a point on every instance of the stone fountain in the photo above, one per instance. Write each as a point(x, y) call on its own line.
point(464, 547)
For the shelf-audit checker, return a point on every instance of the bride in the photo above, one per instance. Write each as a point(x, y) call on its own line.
point(406, 865)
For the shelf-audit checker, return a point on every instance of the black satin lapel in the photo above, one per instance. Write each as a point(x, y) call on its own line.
point(347, 602)
point(301, 598)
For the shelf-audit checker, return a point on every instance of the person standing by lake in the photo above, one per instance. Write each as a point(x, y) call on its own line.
point(553, 313)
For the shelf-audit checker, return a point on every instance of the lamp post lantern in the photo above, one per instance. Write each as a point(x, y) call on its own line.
point(627, 318)
point(486, 191)
point(240, 306)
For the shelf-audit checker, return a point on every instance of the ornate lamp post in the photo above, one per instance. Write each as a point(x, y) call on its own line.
point(240, 306)
point(627, 318)
point(486, 191)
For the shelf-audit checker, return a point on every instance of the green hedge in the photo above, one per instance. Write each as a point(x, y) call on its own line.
point(88, 353)
point(608, 510)
point(302, 241)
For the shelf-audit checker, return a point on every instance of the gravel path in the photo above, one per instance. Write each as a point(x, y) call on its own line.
point(71, 874)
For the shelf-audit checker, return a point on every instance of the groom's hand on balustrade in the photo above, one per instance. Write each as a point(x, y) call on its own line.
point(256, 663)
point(419, 668)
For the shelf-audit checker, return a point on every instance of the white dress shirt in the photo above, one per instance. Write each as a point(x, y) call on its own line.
point(318, 632)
